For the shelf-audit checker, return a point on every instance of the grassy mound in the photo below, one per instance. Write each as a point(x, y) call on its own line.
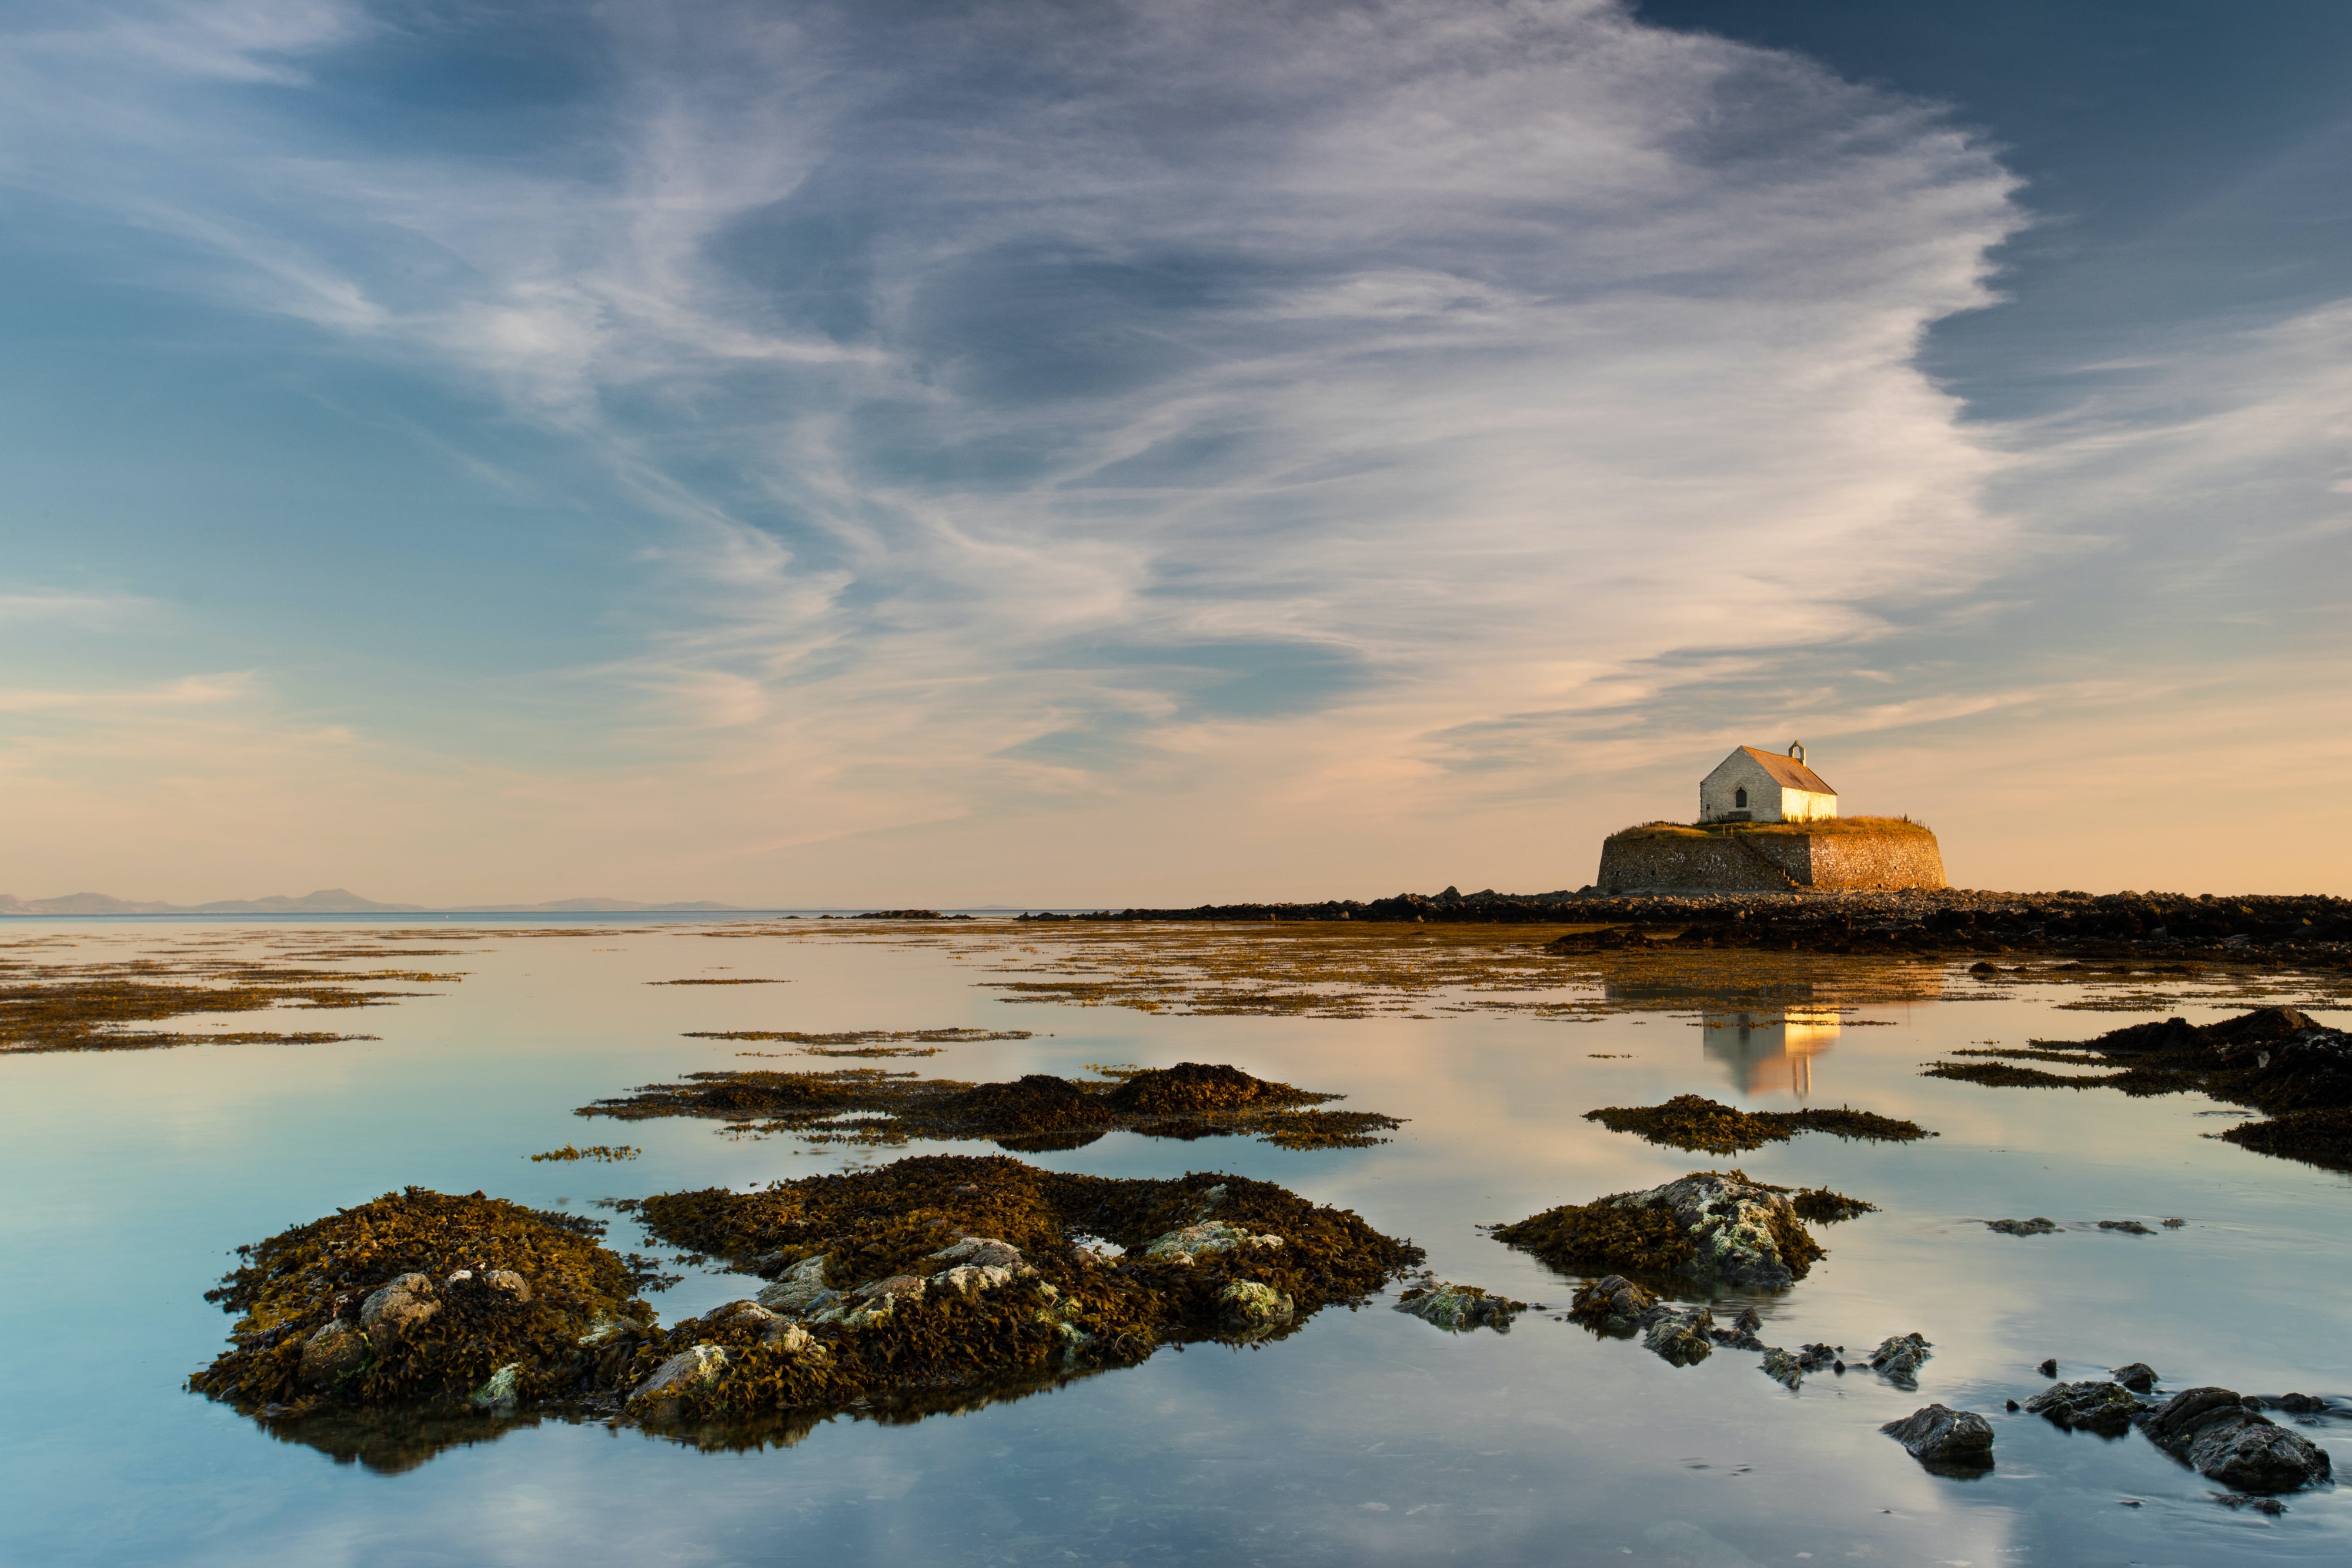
point(1694, 1122)
point(1900, 827)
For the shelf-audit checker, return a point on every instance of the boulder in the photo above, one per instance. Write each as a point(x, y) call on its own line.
point(500, 1390)
point(1898, 1359)
point(1937, 1436)
point(1614, 1305)
point(510, 1284)
point(396, 1307)
point(1249, 1305)
point(1739, 1230)
point(797, 1292)
point(696, 1364)
point(1680, 1337)
point(2095, 1404)
point(2212, 1431)
point(1459, 1307)
point(1209, 1236)
point(791, 1338)
point(984, 1252)
point(336, 1350)
point(2138, 1377)
point(871, 1302)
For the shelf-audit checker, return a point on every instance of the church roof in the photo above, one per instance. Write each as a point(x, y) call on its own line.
point(1790, 773)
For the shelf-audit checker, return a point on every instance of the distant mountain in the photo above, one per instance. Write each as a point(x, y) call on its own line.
point(583, 906)
point(326, 901)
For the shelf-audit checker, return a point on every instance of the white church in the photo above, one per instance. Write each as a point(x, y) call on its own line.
point(1752, 786)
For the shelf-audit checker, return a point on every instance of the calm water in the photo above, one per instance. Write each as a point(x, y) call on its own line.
point(1368, 1437)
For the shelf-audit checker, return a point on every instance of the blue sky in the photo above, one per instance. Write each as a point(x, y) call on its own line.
point(1072, 452)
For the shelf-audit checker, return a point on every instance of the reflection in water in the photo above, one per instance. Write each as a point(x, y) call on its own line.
point(1769, 1052)
point(389, 1441)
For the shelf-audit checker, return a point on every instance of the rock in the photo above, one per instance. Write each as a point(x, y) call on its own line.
point(1898, 1359)
point(984, 1252)
point(2129, 1227)
point(1937, 1434)
point(2211, 1430)
point(2139, 1376)
point(508, 1283)
point(336, 1350)
point(1737, 1229)
point(2095, 1404)
point(2034, 1227)
point(1680, 1337)
point(1458, 1308)
point(604, 1330)
point(395, 1308)
point(791, 1338)
point(2301, 1404)
point(1211, 1235)
point(1614, 1305)
point(871, 1302)
point(795, 1294)
point(1741, 1334)
point(2048, 1368)
point(1783, 1368)
point(687, 1367)
point(500, 1389)
point(1247, 1304)
point(748, 1314)
point(965, 1279)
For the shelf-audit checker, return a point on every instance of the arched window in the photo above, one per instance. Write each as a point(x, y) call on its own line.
point(1740, 798)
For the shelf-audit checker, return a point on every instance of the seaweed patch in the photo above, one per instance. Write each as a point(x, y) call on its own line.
point(1694, 1122)
point(592, 1152)
point(420, 1320)
point(1036, 1112)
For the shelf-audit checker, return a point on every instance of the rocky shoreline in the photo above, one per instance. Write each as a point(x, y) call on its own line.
point(2303, 930)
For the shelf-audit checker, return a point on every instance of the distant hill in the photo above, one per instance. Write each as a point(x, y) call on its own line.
point(326, 901)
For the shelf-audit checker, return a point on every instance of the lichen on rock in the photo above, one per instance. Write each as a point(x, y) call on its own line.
point(1458, 1309)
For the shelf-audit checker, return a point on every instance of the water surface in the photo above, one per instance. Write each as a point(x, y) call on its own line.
point(1367, 1437)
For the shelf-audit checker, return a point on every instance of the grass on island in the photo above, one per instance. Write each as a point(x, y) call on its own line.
point(1898, 826)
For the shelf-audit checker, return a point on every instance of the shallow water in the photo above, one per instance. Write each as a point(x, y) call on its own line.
point(1366, 1436)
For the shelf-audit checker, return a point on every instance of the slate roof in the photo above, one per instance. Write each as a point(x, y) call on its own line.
point(1790, 773)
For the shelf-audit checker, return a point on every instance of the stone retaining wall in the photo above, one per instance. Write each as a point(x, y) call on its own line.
point(1771, 863)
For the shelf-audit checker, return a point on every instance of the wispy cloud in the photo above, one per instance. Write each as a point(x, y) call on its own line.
point(1258, 405)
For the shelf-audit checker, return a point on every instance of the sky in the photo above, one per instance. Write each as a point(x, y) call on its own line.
point(1071, 453)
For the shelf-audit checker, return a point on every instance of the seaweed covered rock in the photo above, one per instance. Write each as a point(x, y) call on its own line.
point(419, 1296)
point(2276, 1059)
point(1694, 1122)
point(948, 1272)
point(1711, 1226)
point(1459, 1307)
point(1615, 1306)
point(2037, 1225)
point(2213, 1432)
point(1033, 1112)
point(1680, 1337)
point(1942, 1438)
point(2095, 1404)
point(1898, 1358)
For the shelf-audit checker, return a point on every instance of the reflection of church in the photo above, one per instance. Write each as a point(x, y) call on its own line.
point(1769, 1052)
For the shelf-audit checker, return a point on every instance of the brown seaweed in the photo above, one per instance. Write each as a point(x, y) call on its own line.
point(1036, 1112)
point(1694, 1122)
